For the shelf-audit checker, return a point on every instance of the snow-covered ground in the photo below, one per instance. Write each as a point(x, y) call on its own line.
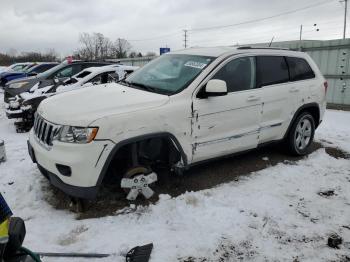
point(272, 215)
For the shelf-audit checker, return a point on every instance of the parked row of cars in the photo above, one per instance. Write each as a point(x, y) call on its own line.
point(23, 70)
point(24, 95)
point(181, 109)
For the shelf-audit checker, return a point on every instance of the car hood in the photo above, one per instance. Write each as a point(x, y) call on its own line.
point(83, 106)
point(29, 83)
point(7, 74)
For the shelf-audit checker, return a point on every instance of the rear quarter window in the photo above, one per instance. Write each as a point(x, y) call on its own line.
point(299, 69)
point(271, 70)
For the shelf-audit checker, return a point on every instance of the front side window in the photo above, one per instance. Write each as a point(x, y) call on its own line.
point(169, 74)
point(18, 67)
point(299, 69)
point(271, 70)
point(68, 71)
point(239, 74)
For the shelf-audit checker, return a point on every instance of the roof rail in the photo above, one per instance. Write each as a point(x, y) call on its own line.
point(262, 47)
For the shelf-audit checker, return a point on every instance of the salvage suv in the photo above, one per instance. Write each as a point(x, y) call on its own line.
point(181, 109)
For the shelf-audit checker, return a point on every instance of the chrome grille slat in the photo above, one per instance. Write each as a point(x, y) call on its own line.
point(42, 136)
point(44, 131)
point(40, 128)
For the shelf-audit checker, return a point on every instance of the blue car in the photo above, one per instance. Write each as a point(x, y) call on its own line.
point(31, 71)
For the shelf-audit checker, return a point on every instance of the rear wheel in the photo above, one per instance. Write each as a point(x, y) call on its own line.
point(301, 134)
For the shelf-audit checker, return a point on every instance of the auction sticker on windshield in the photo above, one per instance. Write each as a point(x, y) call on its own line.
point(195, 64)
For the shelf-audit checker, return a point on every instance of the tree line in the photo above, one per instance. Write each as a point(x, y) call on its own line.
point(96, 46)
point(13, 57)
point(92, 46)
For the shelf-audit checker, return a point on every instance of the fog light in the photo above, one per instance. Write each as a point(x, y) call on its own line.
point(64, 170)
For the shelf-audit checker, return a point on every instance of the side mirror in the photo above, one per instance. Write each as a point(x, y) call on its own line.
point(216, 87)
point(32, 74)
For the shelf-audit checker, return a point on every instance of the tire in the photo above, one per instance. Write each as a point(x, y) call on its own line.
point(301, 135)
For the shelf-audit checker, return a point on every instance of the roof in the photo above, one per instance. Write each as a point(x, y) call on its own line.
point(226, 50)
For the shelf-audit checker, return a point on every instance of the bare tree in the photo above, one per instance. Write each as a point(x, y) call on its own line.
point(133, 54)
point(121, 48)
point(99, 47)
point(151, 54)
point(87, 49)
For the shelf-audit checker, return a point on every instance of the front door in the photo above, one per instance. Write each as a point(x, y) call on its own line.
point(226, 124)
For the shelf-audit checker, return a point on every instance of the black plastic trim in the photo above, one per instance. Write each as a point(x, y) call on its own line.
point(74, 191)
point(64, 170)
point(303, 107)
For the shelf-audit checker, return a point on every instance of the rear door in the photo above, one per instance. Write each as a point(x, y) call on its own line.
point(303, 78)
point(226, 124)
point(278, 97)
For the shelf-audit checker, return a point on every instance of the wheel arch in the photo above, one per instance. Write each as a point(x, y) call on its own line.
point(140, 138)
point(312, 108)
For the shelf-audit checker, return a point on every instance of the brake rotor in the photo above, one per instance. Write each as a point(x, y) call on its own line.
point(136, 181)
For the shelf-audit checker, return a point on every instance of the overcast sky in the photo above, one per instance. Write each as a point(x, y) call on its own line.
point(42, 24)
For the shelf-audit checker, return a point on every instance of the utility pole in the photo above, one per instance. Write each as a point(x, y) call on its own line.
point(185, 38)
point(345, 13)
point(301, 32)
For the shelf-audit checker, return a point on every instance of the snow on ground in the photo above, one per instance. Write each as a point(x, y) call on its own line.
point(272, 215)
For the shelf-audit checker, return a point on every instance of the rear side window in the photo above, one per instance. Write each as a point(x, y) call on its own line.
point(299, 69)
point(271, 70)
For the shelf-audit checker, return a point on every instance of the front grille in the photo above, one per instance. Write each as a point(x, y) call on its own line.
point(44, 130)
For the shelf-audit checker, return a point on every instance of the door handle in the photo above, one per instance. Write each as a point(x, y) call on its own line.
point(253, 98)
point(294, 90)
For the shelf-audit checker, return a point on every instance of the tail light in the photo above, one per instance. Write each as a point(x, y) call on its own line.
point(325, 84)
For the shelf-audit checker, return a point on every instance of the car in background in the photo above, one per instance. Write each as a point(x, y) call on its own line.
point(17, 67)
point(24, 105)
point(31, 71)
point(60, 72)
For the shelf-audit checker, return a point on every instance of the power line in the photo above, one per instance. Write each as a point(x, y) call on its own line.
point(266, 35)
point(263, 18)
point(178, 32)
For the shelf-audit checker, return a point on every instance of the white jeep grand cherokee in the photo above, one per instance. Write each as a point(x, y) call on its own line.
point(181, 109)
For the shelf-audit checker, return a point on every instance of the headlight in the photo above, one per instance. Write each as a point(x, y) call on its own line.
point(80, 135)
point(17, 85)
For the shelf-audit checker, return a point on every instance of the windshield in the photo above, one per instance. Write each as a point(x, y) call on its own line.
point(169, 74)
point(47, 73)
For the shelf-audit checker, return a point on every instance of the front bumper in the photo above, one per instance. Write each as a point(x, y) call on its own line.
point(85, 162)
